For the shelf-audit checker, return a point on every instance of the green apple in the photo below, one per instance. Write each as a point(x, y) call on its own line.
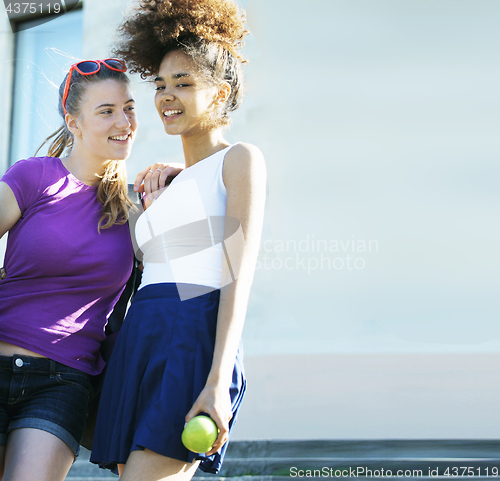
point(200, 434)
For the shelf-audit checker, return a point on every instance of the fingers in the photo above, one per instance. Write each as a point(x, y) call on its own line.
point(140, 179)
point(151, 182)
point(147, 174)
point(167, 172)
point(147, 180)
point(153, 179)
point(223, 434)
point(221, 420)
point(3, 274)
point(192, 413)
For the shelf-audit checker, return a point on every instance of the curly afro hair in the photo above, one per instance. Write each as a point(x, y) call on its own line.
point(160, 26)
point(210, 32)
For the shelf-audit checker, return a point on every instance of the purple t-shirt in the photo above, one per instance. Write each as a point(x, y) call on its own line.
point(63, 277)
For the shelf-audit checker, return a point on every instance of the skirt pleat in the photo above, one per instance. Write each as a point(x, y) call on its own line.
point(158, 368)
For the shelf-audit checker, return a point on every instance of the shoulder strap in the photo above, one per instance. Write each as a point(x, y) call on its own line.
point(136, 210)
point(116, 318)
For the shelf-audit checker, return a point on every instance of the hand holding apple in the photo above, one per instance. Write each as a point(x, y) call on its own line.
point(200, 434)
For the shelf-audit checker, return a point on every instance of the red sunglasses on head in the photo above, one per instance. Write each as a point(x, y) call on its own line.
point(90, 67)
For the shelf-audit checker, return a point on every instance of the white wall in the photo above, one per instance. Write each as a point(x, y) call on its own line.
point(379, 122)
point(7, 71)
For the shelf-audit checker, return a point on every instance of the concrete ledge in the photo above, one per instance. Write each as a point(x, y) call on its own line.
point(276, 460)
point(382, 448)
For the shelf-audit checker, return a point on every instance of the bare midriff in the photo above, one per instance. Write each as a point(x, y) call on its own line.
point(9, 350)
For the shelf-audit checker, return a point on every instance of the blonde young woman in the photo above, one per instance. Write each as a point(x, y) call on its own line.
point(68, 257)
point(178, 353)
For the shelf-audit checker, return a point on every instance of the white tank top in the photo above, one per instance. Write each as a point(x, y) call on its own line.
point(181, 234)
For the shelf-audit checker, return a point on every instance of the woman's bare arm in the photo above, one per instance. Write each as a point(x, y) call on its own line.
point(245, 180)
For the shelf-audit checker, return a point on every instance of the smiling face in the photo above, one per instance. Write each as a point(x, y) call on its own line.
point(184, 99)
point(106, 126)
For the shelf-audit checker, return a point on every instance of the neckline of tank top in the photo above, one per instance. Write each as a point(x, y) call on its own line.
point(190, 167)
point(75, 179)
point(200, 161)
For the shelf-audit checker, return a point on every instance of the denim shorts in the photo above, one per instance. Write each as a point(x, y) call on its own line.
point(43, 394)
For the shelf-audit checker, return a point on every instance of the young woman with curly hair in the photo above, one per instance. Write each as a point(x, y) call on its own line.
point(178, 353)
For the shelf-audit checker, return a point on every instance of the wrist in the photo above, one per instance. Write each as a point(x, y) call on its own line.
point(217, 380)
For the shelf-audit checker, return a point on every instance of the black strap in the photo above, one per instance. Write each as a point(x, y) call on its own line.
point(116, 318)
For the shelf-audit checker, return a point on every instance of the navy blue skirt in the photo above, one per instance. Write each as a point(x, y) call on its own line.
point(159, 366)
